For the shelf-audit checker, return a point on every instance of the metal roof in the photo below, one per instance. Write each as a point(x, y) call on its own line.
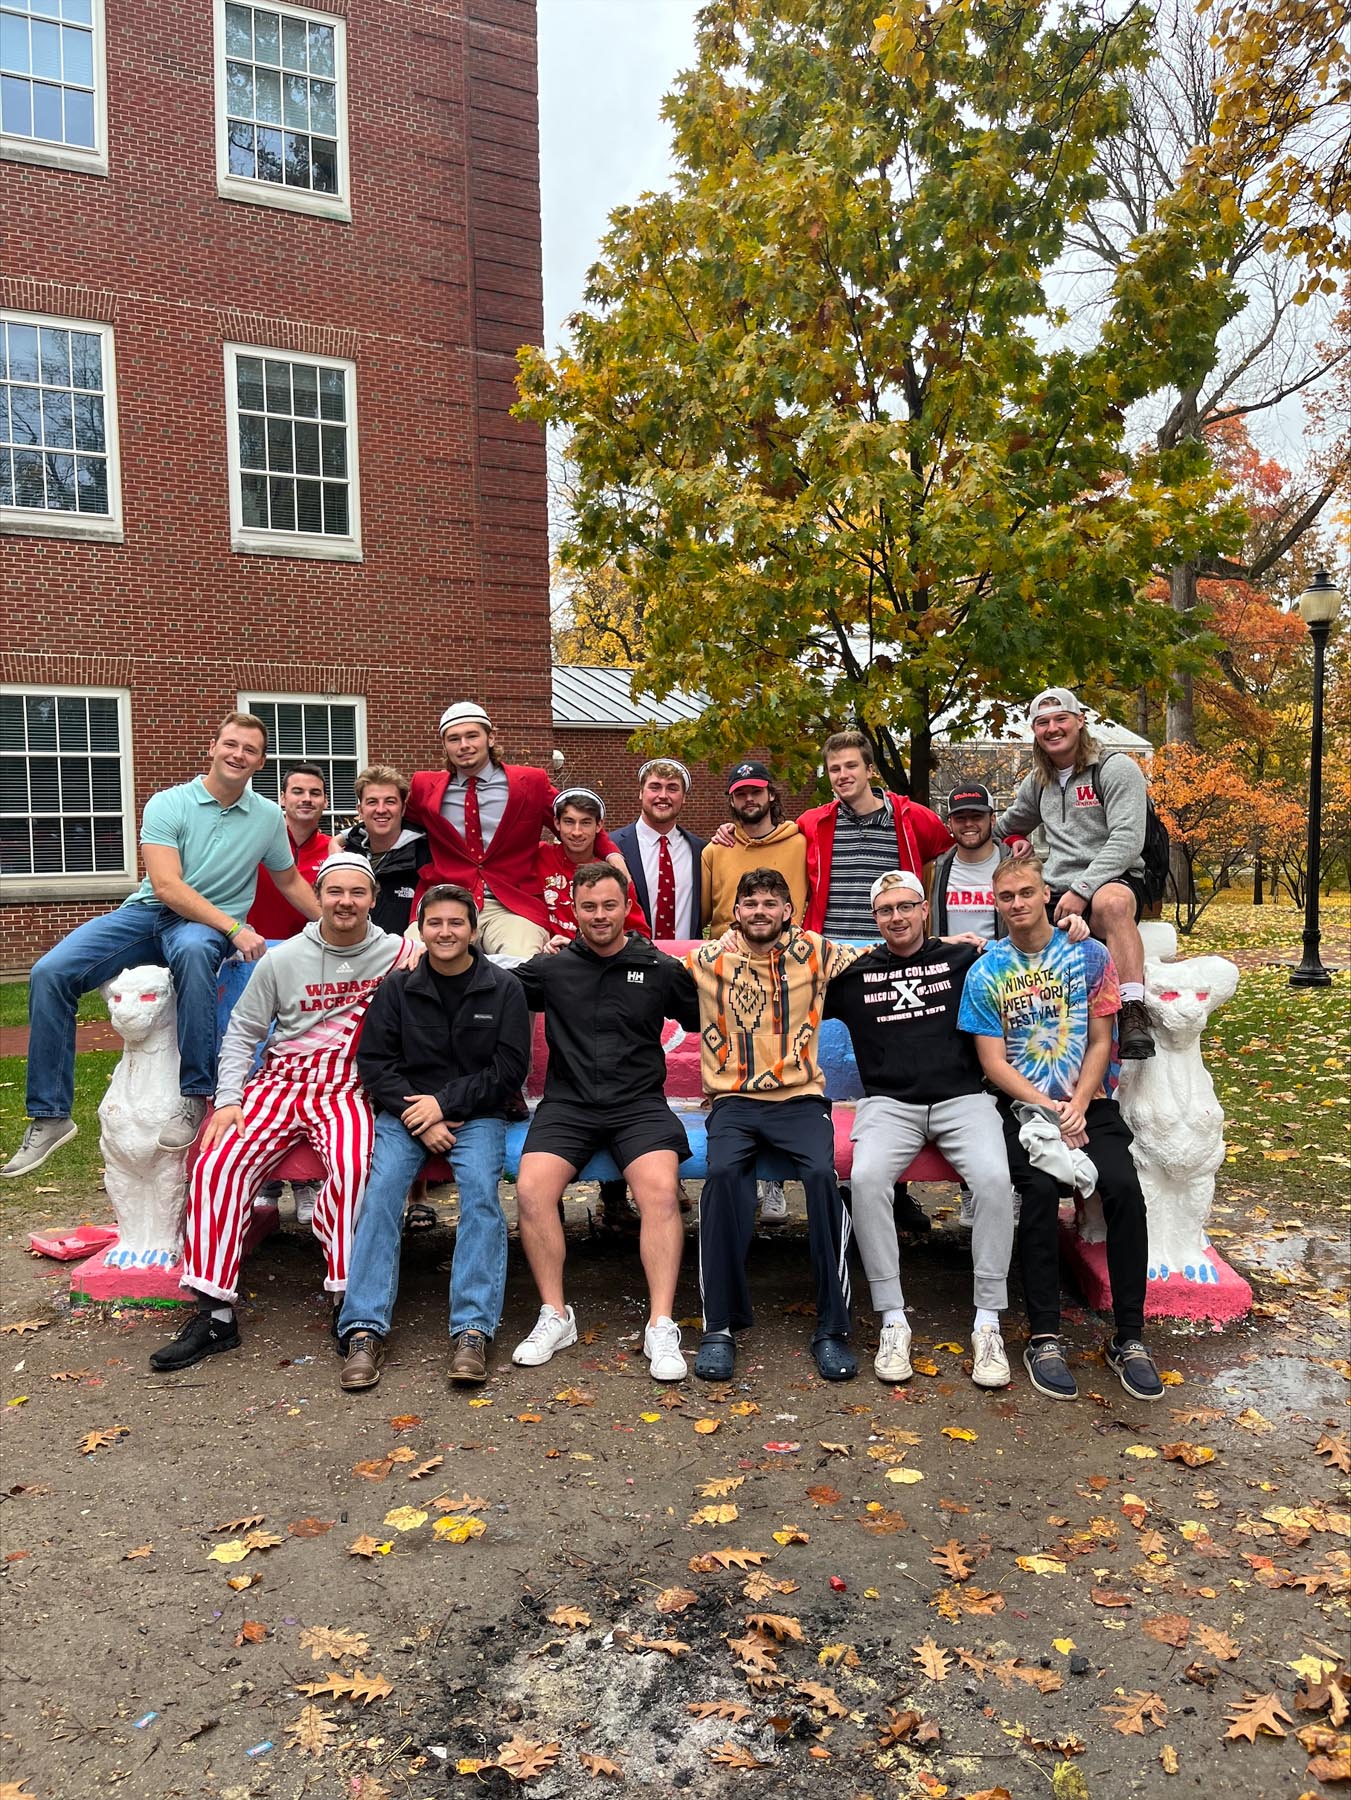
point(604, 698)
point(1016, 730)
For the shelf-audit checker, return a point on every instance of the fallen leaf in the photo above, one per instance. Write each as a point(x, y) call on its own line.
point(743, 1409)
point(464, 1504)
point(883, 1522)
point(459, 1531)
point(715, 1515)
point(365, 1545)
point(252, 1631)
point(240, 1582)
point(261, 1540)
point(403, 1453)
point(1101, 1596)
point(896, 1727)
point(832, 1656)
point(671, 1647)
point(959, 1433)
point(136, 1555)
point(835, 1449)
point(1135, 1712)
point(575, 1396)
point(759, 1586)
point(755, 1651)
point(406, 1518)
point(529, 1418)
point(720, 1486)
point(816, 1694)
point(23, 1325)
point(596, 1766)
point(312, 1732)
point(1193, 1455)
point(790, 1534)
point(734, 1756)
point(1252, 1420)
point(1223, 1648)
point(823, 1495)
point(310, 1528)
point(1041, 1565)
point(675, 1599)
point(1142, 1452)
point(727, 1559)
point(718, 1709)
point(405, 1422)
point(245, 1524)
point(100, 1440)
point(424, 1469)
point(232, 1552)
point(1172, 1629)
point(933, 1661)
point(1337, 1450)
point(924, 1365)
point(1168, 1759)
point(777, 1625)
point(374, 1470)
point(523, 1759)
point(953, 1559)
point(326, 1640)
point(573, 1618)
point(1257, 1713)
point(359, 1687)
point(706, 1428)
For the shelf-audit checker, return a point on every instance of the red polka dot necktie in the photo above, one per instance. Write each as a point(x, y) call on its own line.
point(473, 834)
point(664, 920)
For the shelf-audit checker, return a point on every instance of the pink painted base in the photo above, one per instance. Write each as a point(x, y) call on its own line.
point(70, 1246)
point(100, 1282)
point(1224, 1297)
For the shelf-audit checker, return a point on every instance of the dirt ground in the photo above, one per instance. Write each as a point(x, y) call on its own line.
point(1107, 1565)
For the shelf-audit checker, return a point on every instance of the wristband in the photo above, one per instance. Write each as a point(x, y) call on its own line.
point(235, 929)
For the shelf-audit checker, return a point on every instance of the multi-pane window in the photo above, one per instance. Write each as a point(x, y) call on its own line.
point(292, 423)
point(282, 99)
point(327, 732)
point(51, 81)
point(63, 794)
point(58, 466)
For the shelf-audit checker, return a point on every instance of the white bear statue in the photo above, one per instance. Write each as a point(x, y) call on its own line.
point(1169, 1102)
point(144, 1183)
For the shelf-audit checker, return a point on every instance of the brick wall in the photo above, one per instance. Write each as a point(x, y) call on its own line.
point(429, 289)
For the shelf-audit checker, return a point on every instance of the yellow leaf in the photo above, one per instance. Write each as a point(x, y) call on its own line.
point(406, 1518)
point(790, 1534)
point(1171, 1377)
point(235, 1551)
point(650, 1418)
point(959, 1432)
point(1141, 1451)
point(905, 1477)
point(956, 1349)
point(1311, 1669)
point(924, 1365)
point(715, 1515)
point(459, 1531)
point(706, 1427)
point(482, 1400)
point(743, 1409)
point(1063, 1645)
point(1041, 1565)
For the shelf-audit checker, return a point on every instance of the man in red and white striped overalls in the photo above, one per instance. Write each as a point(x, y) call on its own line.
point(311, 994)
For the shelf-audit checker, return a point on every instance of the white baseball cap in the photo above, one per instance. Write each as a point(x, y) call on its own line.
point(464, 712)
point(1054, 700)
point(893, 879)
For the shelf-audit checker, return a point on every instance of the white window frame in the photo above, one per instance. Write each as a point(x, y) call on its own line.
point(39, 521)
point(246, 698)
point(254, 540)
point(102, 884)
point(271, 193)
point(72, 156)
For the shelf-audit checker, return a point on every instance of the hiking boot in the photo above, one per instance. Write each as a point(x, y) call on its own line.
point(773, 1202)
point(661, 1347)
point(907, 1212)
point(198, 1337)
point(1135, 1369)
point(989, 1360)
point(551, 1331)
point(179, 1130)
point(1049, 1370)
point(361, 1365)
point(469, 1364)
point(40, 1138)
point(892, 1362)
point(716, 1358)
point(834, 1360)
point(1134, 1039)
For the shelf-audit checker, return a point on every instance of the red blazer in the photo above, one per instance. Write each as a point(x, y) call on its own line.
point(920, 836)
point(508, 864)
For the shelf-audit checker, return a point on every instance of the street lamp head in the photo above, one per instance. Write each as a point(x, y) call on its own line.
point(1321, 601)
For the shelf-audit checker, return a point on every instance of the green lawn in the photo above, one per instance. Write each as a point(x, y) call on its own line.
point(77, 1170)
point(14, 1005)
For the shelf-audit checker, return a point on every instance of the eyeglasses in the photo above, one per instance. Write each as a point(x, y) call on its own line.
point(904, 907)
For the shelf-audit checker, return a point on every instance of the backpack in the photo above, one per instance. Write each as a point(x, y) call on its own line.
point(1157, 842)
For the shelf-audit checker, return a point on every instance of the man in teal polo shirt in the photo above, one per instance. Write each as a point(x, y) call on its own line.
point(201, 844)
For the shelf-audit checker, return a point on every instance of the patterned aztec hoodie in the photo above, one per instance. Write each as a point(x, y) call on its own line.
point(312, 996)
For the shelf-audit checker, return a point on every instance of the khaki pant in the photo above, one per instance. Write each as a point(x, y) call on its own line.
point(503, 933)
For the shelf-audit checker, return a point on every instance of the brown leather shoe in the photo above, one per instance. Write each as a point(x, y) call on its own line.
point(1135, 1040)
point(361, 1365)
point(469, 1364)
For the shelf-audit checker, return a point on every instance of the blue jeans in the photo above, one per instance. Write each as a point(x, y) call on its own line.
point(478, 1270)
point(94, 953)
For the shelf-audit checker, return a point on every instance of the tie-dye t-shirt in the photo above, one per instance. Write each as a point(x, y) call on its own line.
point(1040, 1003)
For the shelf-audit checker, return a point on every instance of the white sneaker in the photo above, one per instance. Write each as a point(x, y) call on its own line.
point(661, 1347)
point(892, 1362)
point(553, 1331)
point(179, 1131)
point(989, 1364)
point(966, 1212)
point(773, 1202)
point(305, 1193)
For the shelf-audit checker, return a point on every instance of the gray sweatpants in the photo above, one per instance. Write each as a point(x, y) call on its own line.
point(887, 1136)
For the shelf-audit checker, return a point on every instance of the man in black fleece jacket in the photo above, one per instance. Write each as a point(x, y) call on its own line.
point(440, 1056)
point(605, 998)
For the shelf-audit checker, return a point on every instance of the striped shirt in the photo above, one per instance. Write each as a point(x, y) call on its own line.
point(865, 847)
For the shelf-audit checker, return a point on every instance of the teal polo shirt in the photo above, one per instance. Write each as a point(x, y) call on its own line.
point(220, 847)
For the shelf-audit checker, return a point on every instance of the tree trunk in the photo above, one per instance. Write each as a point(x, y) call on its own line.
point(1181, 727)
point(1258, 872)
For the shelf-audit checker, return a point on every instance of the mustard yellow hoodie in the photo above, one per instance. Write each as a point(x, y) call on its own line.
point(722, 866)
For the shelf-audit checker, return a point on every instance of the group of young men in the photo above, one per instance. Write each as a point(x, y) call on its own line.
point(393, 1022)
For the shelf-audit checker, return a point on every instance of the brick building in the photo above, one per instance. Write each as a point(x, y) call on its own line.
point(265, 271)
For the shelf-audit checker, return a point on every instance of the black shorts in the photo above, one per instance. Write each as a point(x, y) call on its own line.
point(1134, 882)
point(576, 1133)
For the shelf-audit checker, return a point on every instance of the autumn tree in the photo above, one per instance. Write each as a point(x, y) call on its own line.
point(596, 617)
point(821, 411)
point(1212, 811)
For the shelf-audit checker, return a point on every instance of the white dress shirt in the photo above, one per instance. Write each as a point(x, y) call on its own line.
point(492, 800)
point(682, 861)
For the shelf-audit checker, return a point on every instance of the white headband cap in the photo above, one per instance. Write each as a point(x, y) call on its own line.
point(893, 879)
point(464, 712)
point(578, 793)
point(344, 859)
point(675, 763)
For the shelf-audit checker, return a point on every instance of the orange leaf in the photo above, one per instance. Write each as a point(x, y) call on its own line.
point(252, 1631)
point(1257, 1713)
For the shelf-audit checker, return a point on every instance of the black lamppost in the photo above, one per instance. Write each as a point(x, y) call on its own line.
point(1318, 606)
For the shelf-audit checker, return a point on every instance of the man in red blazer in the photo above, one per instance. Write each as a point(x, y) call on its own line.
point(483, 819)
point(850, 838)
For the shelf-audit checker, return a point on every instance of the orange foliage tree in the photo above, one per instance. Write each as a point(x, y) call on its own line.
point(1215, 815)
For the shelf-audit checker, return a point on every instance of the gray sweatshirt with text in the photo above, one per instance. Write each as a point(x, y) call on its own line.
point(1093, 835)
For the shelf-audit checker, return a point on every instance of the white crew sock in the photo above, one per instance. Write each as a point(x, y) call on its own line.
point(894, 1315)
point(986, 1320)
point(1132, 990)
point(223, 1313)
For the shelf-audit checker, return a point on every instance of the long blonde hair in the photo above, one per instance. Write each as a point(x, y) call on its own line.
point(1088, 750)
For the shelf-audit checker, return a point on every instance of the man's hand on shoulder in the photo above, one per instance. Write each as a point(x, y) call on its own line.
point(976, 941)
point(724, 835)
point(224, 1120)
point(1075, 927)
point(1018, 846)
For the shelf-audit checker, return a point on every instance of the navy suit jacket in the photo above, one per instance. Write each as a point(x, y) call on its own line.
point(626, 842)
